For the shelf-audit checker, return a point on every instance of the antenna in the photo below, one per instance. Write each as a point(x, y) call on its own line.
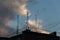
point(27, 20)
point(36, 21)
point(17, 24)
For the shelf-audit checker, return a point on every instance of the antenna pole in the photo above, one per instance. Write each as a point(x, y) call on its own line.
point(27, 20)
point(36, 21)
point(17, 24)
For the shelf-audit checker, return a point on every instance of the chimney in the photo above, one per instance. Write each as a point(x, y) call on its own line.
point(54, 33)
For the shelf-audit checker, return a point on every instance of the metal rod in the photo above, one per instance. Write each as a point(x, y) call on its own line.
point(27, 20)
point(36, 21)
point(17, 24)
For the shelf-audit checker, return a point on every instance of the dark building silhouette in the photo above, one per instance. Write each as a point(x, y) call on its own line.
point(4, 38)
point(29, 35)
point(17, 37)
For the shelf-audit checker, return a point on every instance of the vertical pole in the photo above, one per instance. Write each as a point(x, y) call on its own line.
point(27, 20)
point(17, 24)
point(36, 21)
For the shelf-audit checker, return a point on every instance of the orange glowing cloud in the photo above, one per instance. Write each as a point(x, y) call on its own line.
point(18, 6)
point(22, 8)
point(33, 23)
point(36, 27)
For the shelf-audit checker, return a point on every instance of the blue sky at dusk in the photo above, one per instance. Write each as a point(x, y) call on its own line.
point(47, 10)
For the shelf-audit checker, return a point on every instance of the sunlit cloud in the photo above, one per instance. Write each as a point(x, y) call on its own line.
point(33, 23)
point(36, 27)
point(9, 9)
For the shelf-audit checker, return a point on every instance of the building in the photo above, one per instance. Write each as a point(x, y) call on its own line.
point(29, 35)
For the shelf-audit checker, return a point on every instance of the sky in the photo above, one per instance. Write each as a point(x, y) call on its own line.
point(47, 12)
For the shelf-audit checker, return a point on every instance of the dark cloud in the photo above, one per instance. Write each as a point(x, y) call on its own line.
point(6, 15)
point(8, 11)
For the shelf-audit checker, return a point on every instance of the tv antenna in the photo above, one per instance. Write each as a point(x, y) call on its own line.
point(17, 24)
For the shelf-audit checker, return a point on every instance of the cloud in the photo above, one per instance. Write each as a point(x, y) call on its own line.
point(33, 23)
point(8, 11)
point(36, 26)
point(18, 6)
point(6, 31)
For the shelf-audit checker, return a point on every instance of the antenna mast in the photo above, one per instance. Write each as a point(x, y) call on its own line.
point(17, 24)
point(36, 21)
point(27, 20)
